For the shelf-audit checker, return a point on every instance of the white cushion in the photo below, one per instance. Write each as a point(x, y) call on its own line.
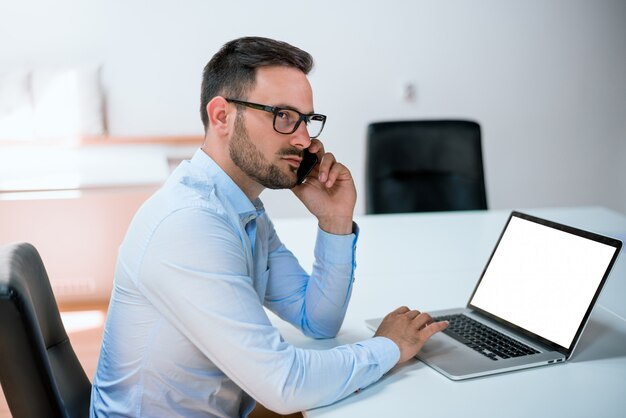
point(67, 102)
point(16, 106)
point(51, 103)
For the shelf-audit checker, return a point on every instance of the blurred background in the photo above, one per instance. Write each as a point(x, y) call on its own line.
point(100, 99)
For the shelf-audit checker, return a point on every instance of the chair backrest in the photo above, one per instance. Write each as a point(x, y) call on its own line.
point(424, 166)
point(39, 371)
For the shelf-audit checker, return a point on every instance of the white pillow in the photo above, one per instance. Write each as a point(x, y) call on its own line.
point(16, 106)
point(67, 102)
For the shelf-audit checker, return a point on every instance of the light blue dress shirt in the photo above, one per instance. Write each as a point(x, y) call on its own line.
point(187, 334)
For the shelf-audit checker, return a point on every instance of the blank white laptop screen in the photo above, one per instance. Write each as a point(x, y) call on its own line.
point(542, 279)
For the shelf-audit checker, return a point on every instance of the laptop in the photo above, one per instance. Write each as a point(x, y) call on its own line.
point(530, 305)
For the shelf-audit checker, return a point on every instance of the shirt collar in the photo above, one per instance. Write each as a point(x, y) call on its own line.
point(226, 187)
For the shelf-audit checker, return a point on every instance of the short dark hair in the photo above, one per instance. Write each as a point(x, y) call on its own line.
point(232, 70)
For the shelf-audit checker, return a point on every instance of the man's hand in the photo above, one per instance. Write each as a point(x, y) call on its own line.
point(329, 192)
point(409, 329)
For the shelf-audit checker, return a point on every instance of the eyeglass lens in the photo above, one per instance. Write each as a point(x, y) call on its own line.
point(287, 121)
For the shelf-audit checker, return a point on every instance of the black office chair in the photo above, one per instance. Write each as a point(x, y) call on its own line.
point(424, 166)
point(39, 371)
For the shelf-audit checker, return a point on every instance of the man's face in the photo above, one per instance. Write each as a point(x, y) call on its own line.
point(248, 157)
point(266, 156)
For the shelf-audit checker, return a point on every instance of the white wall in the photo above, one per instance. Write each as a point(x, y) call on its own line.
point(546, 79)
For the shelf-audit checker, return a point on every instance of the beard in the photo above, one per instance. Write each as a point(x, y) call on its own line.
point(251, 161)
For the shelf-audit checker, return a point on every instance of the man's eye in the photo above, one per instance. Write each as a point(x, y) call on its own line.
point(284, 115)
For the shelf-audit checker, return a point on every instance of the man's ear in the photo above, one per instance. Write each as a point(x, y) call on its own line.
point(220, 115)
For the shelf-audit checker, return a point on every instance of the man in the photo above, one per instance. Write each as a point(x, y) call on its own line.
point(186, 333)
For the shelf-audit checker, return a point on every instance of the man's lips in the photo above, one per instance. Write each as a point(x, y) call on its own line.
point(293, 160)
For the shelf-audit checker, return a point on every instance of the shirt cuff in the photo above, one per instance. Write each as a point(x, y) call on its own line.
point(336, 249)
point(385, 351)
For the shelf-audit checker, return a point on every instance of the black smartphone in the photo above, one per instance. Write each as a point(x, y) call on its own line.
point(308, 162)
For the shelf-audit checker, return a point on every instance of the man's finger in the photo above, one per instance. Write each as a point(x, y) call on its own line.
point(422, 320)
point(400, 310)
point(334, 173)
point(325, 165)
point(316, 146)
point(413, 314)
point(433, 328)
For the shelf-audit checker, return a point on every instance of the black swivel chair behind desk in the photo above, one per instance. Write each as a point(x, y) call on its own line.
point(424, 166)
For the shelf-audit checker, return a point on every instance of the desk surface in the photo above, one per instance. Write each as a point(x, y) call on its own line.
point(432, 261)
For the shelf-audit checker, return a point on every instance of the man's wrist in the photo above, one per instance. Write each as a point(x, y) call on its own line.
point(337, 225)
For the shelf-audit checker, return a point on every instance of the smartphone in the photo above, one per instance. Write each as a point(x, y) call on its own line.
point(308, 162)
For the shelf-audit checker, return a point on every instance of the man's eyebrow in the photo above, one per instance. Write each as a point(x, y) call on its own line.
point(286, 106)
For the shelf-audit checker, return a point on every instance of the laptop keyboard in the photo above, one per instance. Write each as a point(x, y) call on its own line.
point(485, 340)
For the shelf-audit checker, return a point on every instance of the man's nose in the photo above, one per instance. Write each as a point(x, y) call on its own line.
point(300, 138)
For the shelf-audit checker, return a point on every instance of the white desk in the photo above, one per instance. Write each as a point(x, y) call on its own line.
point(432, 261)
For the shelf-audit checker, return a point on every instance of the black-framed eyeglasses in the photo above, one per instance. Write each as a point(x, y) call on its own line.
point(286, 120)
